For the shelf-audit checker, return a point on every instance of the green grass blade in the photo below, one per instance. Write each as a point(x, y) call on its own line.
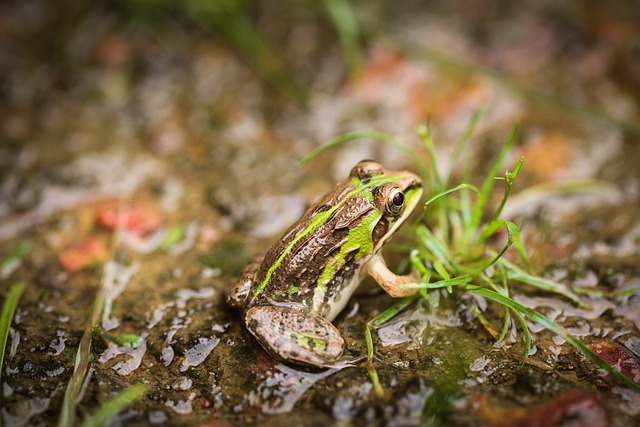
point(516, 273)
point(447, 283)
point(466, 211)
point(439, 268)
point(425, 134)
point(230, 19)
point(505, 326)
point(522, 250)
point(457, 228)
point(485, 322)
point(525, 331)
point(513, 230)
point(490, 229)
point(383, 317)
point(509, 177)
point(601, 294)
point(463, 142)
point(8, 310)
point(449, 191)
point(416, 262)
point(371, 370)
point(115, 405)
point(498, 256)
point(435, 247)
point(83, 356)
point(556, 329)
point(393, 311)
point(548, 286)
point(67, 413)
point(378, 136)
point(488, 182)
point(345, 22)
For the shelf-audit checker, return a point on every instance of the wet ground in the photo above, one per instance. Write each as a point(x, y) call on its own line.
point(157, 114)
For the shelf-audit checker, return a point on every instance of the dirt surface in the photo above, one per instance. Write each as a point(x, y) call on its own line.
point(156, 114)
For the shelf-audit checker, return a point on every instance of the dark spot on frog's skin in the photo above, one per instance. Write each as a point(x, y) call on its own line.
point(380, 229)
point(321, 208)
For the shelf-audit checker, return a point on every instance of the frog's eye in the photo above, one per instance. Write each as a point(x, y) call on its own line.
point(395, 201)
point(365, 169)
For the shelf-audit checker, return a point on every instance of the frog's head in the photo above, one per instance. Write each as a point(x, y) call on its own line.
point(394, 193)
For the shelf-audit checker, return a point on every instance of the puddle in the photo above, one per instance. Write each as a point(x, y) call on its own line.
point(280, 388)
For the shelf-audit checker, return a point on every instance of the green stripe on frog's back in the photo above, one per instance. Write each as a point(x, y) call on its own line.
point(320, 219)
point(360, 239)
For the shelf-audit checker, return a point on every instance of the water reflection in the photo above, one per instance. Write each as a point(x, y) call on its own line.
point(279, 389)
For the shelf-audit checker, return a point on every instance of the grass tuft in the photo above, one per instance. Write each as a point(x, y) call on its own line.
point(454, 238)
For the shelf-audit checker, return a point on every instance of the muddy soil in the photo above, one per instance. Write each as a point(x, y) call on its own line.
point(146, 156)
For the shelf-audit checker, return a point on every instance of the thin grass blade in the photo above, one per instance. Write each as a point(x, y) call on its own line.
point(464, 141)
point(509, 177)
point(448, 283)
point(425, 134)
point(115, 405)
point(516, 273)
point(438, 252)
point(451, 190)
point(379, 136)
point(483, 196)
point(525, 332)
point(345, 22)
point(371, 370)
point(8, 311)
point(513, 230)
point(556, 329)
point(228, 18)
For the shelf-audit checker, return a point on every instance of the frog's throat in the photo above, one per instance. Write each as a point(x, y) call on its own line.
point(322, 217)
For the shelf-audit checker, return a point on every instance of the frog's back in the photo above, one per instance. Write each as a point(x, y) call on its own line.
point(294, 266)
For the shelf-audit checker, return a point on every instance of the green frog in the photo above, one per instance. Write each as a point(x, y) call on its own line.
point(307, 277)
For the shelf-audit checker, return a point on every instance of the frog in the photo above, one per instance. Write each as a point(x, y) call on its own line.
point(289, 300)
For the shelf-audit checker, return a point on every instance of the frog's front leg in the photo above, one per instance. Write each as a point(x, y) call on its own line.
point(388, 280)
point(295, 335)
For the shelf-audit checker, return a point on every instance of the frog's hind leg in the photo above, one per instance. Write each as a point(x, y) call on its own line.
point(294, 335)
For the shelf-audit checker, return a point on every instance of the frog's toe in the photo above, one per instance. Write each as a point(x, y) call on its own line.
point(238, 296)
point(293, 335)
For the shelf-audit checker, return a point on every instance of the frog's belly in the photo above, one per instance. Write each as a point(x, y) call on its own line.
point(328, 302)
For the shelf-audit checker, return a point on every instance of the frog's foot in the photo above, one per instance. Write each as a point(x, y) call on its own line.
point(348, 363)
point(238, 296)
point(293, 335)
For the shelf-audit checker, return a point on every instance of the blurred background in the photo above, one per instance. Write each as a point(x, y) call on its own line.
point(197, 113)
